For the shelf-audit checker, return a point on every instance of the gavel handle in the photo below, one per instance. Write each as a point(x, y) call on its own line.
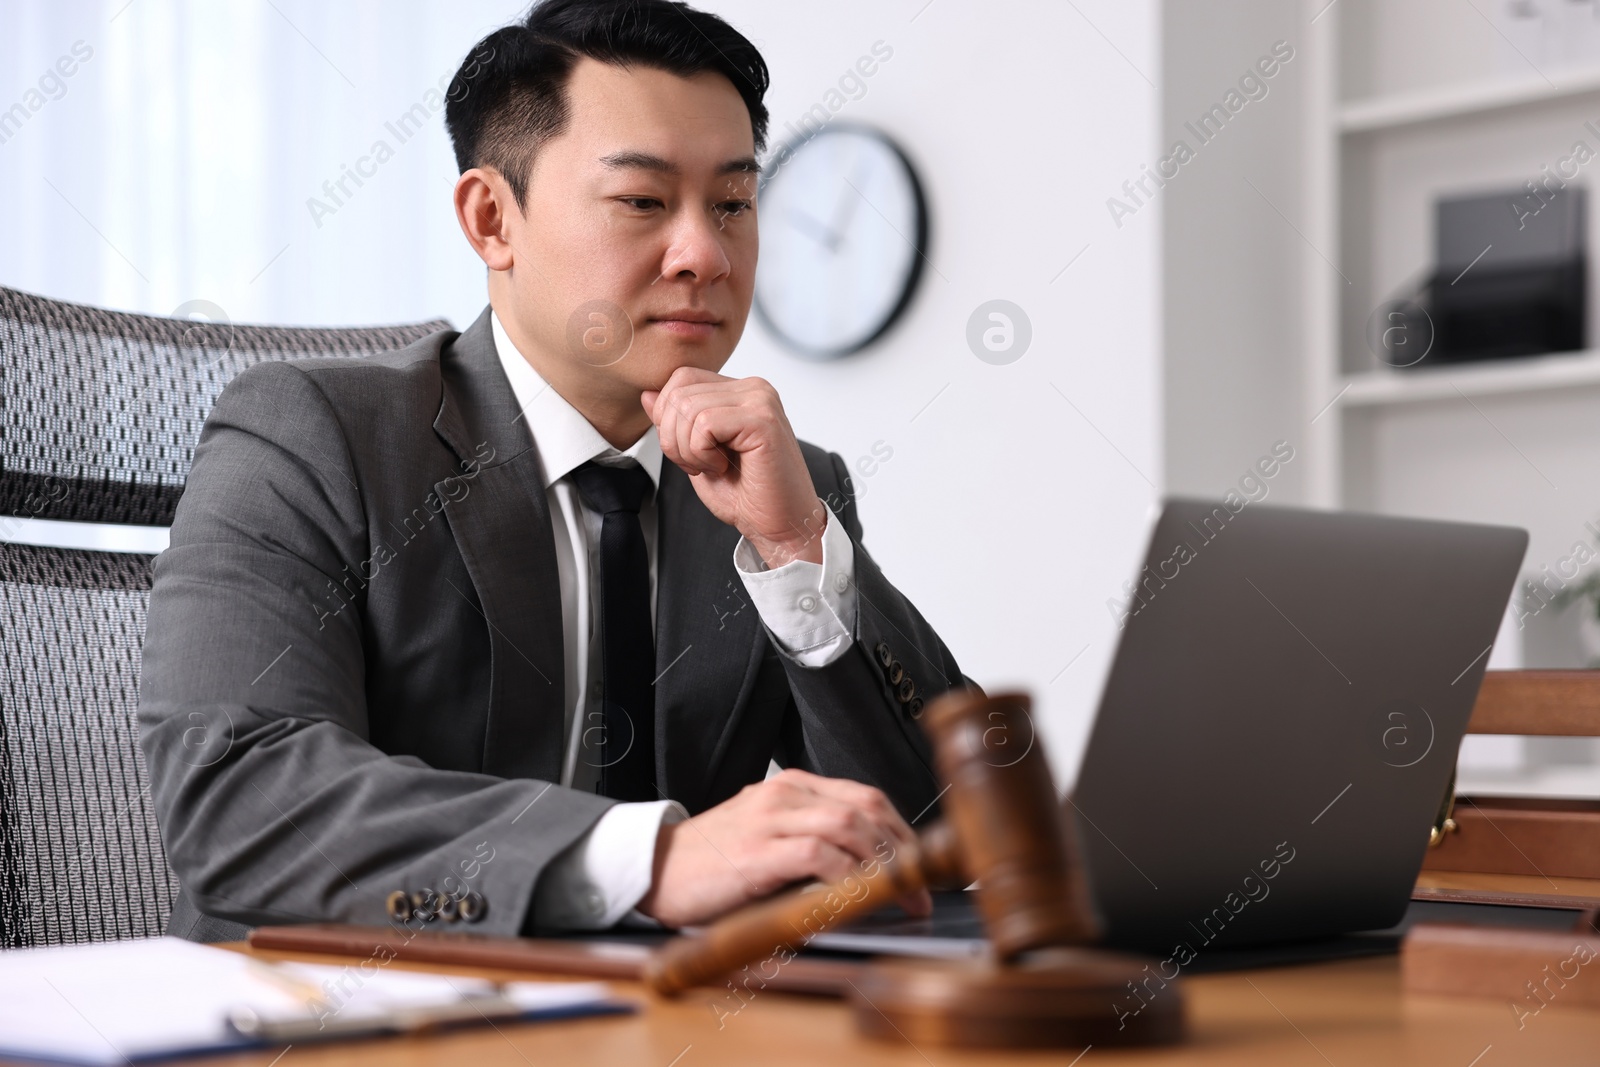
point(785, 922)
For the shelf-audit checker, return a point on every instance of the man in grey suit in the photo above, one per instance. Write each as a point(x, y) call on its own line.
point(504, 628)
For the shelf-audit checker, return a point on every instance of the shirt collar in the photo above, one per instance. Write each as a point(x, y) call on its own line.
point(565, 440)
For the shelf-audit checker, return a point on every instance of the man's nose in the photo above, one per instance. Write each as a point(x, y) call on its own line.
point(696, 251)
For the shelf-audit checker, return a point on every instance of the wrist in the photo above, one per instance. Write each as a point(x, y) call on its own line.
point(803, 542)
point(647, 903)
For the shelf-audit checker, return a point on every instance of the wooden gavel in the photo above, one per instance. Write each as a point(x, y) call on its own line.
point(1004, 828)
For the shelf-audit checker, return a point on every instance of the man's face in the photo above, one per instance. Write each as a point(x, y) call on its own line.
point(640, 217)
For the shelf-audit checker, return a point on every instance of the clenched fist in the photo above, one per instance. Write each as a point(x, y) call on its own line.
point(731, 437)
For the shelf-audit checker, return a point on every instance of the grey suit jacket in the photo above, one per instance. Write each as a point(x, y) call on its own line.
point(352, 676)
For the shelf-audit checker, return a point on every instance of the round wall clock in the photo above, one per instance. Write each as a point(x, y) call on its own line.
point(843, 231)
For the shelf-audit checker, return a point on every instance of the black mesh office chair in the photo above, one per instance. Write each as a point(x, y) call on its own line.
point(100, 415)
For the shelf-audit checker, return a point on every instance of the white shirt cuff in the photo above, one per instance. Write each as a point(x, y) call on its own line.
point(600, 877)
point(808, 608)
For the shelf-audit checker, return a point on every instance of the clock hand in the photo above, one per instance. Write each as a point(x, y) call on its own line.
point(845, 208)
point(817, 231)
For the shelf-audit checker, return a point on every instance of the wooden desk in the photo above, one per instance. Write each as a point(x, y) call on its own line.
point(1345, 1013)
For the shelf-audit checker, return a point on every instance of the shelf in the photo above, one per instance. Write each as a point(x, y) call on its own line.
point(1499, 378)
point(1573, 781)
point(1457, 101)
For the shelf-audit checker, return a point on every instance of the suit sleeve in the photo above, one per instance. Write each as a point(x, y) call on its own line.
point(273, 804)
point(857, 717)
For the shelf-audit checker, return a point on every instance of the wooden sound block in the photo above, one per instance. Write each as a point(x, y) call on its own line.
point(1526, 969)
point(1052, 998)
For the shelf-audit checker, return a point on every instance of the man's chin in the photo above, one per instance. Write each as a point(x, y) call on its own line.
point(660, 361)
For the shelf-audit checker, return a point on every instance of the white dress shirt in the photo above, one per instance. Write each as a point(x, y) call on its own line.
point(809, 610)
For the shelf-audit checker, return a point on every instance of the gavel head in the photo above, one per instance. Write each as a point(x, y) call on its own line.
point(1012, 832)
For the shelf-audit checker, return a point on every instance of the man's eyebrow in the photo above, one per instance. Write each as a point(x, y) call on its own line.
point(639, 161)
point(646, 161)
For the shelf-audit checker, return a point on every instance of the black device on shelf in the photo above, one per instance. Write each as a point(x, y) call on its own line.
point(1510, 277)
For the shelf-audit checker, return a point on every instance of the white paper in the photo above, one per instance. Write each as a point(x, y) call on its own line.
point(126, 1000)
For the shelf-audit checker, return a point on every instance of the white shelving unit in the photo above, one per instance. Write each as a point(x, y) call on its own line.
point(1491, 378)
point(1463, 103)
point(1459, 101)
point(1373, 168)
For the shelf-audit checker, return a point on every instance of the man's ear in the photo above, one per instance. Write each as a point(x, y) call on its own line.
point(486, 208)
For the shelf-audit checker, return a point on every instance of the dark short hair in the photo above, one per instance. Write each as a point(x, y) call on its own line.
point(509, 96)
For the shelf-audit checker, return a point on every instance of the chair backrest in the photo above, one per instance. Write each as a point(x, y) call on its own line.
point(101, 411)
point(81, 859)
point(1537, 837)
point(103, 408)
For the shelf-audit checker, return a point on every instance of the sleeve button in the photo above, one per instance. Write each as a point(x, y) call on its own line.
point(472, 907)
point(896, 672)
point(885, 657)
point(908, 689)
point(808, 603)
point(399, 906)
point(425, 905)
point(914, 708)
point(841, 583)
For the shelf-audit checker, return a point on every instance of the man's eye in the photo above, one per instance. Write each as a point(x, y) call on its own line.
point(734, 207)
point(641, 203)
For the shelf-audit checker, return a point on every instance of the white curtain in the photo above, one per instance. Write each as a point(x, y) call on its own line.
point(162, 153)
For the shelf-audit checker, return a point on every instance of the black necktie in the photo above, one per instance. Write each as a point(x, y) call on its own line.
point(627, 751)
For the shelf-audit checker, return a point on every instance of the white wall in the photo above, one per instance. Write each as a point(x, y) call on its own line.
point(1231, 249)
point(196, 133)
point(1004, 514)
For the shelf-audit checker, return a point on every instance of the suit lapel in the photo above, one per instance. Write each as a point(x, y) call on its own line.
point(706, 639)
point(502, 527)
